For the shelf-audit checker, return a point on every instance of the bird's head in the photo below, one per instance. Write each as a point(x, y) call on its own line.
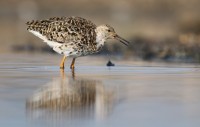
point(106, 32)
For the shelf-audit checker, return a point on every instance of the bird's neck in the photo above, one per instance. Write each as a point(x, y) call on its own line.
point(100, 38)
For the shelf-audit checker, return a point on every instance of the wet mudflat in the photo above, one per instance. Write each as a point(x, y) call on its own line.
point(34, 92)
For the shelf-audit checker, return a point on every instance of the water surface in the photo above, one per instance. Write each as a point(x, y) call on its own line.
point(34, 92)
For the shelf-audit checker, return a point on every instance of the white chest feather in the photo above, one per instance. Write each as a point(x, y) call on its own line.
point(100, 39)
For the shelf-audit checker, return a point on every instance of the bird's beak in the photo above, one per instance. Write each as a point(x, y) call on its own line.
point(122, 40)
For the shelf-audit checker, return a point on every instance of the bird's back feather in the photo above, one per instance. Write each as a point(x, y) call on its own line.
point(65, 30)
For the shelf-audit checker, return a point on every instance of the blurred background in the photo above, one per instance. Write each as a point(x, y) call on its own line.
point(157, 29)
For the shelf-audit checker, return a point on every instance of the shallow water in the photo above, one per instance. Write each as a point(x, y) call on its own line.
point(34, 92)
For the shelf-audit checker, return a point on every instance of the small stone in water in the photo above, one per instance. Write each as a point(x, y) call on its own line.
point(110, 63)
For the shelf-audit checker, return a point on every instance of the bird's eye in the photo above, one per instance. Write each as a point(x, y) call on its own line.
point(108, 30)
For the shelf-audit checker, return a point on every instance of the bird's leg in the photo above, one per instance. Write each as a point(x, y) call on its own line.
point(62, 63)
point(72, 64)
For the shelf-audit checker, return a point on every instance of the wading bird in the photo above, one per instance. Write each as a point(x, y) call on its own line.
point(73, 36)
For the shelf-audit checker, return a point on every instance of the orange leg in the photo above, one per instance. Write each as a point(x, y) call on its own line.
point(72, 64)
point(62, 63)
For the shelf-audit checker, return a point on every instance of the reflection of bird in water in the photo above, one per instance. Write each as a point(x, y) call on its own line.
point(72, 95)
point(73, 36)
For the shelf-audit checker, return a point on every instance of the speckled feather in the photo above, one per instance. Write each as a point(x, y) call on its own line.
point(74, 32)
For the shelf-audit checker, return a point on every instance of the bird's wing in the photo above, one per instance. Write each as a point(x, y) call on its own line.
point(70, 29)
point(74, 32)
point(66, 29)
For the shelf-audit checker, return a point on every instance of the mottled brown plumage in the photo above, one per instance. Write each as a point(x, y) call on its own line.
point(72, 36)
point(65, 30)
